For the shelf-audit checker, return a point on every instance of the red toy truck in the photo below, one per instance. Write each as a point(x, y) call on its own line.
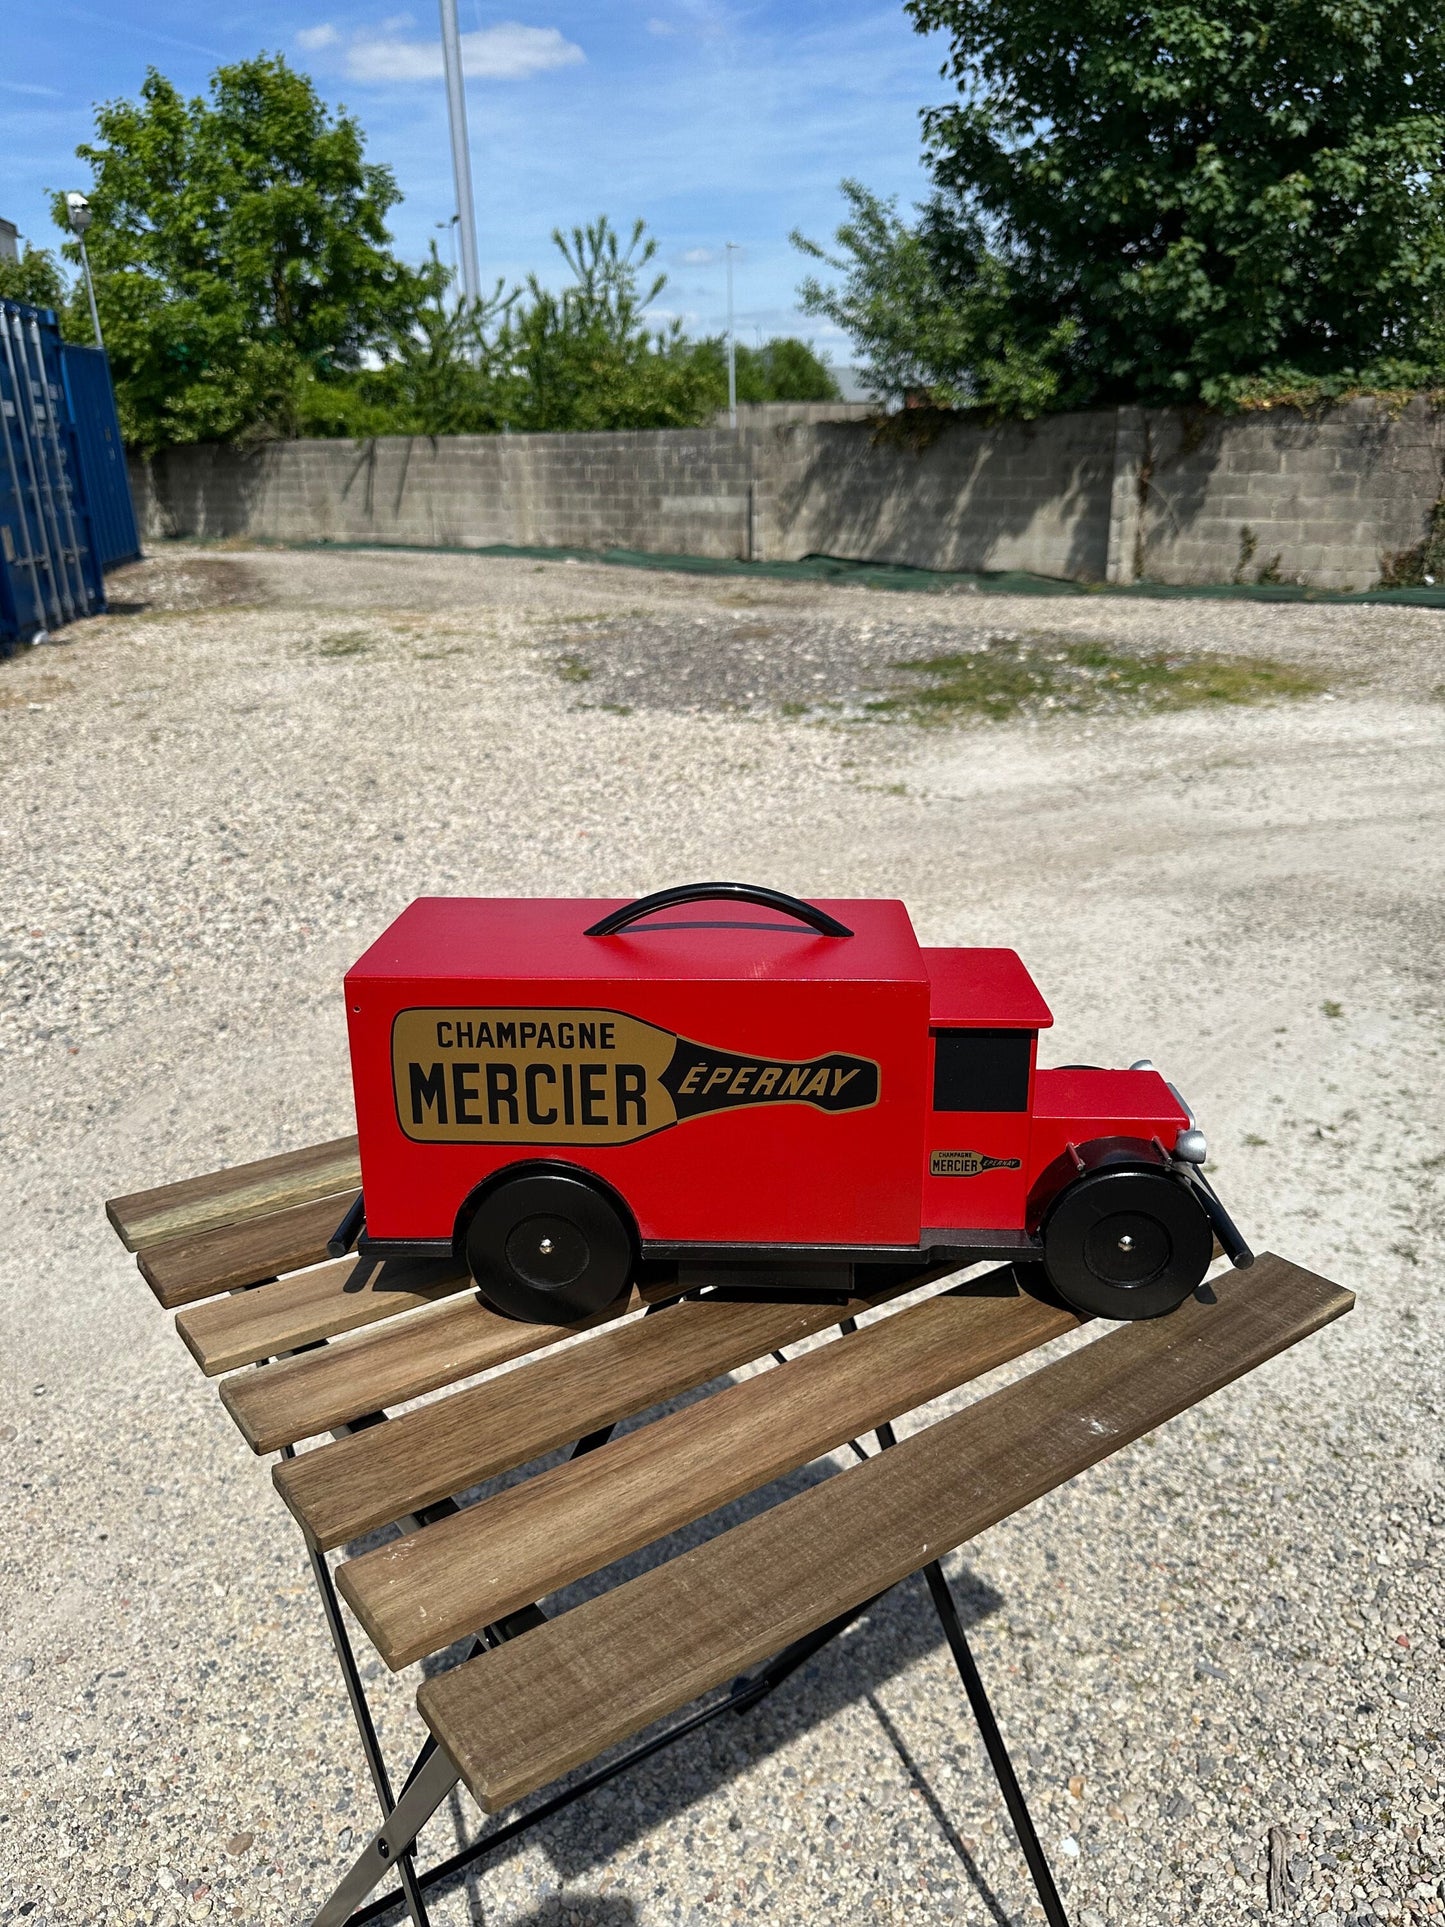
point(768, 1095)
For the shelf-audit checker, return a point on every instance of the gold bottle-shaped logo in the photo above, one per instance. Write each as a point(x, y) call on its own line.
point(565, 1076)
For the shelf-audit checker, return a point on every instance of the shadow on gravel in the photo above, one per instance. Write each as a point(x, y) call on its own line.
point(900, 1629)
point(558, 1910)
point(941, 1818)
point(582, 1910)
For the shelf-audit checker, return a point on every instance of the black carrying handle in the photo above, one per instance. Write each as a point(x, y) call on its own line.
point(758, 893)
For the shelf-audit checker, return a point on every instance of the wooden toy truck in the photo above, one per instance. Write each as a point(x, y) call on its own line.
point(769, 1095)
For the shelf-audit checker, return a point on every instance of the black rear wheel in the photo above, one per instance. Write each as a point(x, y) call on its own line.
point(549, 1248)
point(1126, 1242)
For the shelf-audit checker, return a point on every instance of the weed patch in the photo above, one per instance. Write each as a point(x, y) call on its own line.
point(38, 692)
point(588, 618)
point(344, 642)
point(1018, 676)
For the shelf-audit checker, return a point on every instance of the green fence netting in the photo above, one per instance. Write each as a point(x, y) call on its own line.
point(900, 576)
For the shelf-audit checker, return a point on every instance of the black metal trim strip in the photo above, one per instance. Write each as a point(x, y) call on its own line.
point(939, 1244)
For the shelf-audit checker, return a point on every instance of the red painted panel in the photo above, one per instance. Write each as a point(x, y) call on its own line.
point(1072, 1106)
point(987, 988)
point(766, 1172)
point(462, 939)
point(1133, 1099)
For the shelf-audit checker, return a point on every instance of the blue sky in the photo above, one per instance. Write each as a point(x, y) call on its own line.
point(713, 121)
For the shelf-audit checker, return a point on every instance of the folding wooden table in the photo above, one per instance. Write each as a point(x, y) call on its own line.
point(306, 1348)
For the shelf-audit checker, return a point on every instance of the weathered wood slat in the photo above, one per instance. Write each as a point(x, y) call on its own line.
point(340, 1491)
point(227, 1197)
point(417, 1594)
point(183, 1270)
point(520, 1716)
point(300, 1398)
point(298, 1310)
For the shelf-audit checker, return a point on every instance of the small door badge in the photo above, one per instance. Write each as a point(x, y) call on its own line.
point(967, 1164)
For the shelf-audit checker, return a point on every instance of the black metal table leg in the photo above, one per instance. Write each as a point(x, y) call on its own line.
point(361, 1712)
point(744, 1693)
point(993, 1745)
point(978, 1701)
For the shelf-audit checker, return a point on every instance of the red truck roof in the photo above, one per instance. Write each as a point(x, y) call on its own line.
point(543, 940)
point(983, 989)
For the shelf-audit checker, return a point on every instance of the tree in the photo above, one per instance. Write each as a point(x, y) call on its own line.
point(1175, 202)
point(587, 359)
point(438, 377)
point(35, 279)
point(781, 369)
point(785, 369)
point(931, 312)
point(240, 253)
point(582, 359)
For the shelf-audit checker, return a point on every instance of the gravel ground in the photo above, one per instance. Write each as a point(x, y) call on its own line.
point(219, 793)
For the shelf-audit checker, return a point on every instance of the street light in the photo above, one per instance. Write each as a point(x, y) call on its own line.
point(451, 229)
point(732, 249)
point(77, 209)
point(461, 150)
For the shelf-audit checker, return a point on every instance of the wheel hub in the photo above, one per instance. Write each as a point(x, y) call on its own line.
point(547, 1252)
point(1127, 1249)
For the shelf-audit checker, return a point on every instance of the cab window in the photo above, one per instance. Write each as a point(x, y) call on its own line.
point(981, 1070)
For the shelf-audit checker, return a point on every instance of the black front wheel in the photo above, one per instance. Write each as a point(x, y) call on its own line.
point(1126, 1242)
point(549, 1249)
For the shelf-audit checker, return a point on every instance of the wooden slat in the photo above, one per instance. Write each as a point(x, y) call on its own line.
point(299, 1398)
point(185, 1269)
point(310, 1305)
point(226, 1197)
point(340, 1491)
point(415, 1595)
point(521, 1715)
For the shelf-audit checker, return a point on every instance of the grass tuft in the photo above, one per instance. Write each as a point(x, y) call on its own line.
point(1014, 676)
point(344, 642)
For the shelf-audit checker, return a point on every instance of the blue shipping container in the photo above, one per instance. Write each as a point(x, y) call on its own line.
point(50, 572)
point(103, 477)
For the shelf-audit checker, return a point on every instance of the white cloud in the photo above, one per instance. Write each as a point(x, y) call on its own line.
point(709, 20)
point(700, 257)
point(313, 39)
point(505, 52)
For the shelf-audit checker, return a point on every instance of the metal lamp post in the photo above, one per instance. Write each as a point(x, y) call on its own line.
point(79, 215)
point(461, 151)
point(732, 248)
point(450, 228)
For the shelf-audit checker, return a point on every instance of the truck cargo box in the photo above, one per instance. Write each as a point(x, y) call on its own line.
point(734, 1077)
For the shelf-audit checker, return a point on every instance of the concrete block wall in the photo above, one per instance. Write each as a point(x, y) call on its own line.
point(681, 492)
point(1024, 495)
point(1328, 500)
point(1170, 495)
point(768, 414)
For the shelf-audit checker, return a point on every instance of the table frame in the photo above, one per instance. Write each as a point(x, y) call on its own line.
point(433, 1777)
point(269, 1224)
